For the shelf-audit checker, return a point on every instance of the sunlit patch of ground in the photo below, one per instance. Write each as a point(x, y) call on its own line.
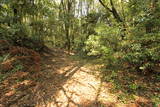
point(81, 90)
point(61, 83)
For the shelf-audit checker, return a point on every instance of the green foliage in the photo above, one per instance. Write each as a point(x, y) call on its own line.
point(124, 97)
point(133, 86)
point(4, 57)
point(143, 53)
point(23, 18)
point(18, 67)
point(158, 77)
point(139, 51)
point(156, 100)
point(104, 42)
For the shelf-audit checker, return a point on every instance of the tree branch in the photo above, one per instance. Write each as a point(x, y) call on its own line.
point(105, 6)
point(115, 13)
point(112, 10)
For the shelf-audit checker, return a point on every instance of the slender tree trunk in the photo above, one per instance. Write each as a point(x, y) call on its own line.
point(116, 15)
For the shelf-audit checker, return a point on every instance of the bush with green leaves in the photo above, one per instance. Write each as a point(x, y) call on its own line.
point(104, 42)
point(143, 53)
point(139, 51)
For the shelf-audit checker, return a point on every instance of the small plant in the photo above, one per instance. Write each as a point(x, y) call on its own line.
point(133, 86)
point(156, 100)
point(158, 77)
point(4, 57)
point(124, 97)
point(1, 58)
point(111, 76)
point(18, 67)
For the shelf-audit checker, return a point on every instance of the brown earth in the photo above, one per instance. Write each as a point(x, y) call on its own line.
point(62, 82)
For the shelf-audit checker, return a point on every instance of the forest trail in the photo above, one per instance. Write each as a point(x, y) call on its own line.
point(63, 82)
point(70, 83)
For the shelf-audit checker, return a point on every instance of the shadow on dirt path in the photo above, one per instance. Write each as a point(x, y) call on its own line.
point(61, 83)
point(67, 83)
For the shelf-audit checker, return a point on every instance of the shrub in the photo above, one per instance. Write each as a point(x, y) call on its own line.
point(143, 54)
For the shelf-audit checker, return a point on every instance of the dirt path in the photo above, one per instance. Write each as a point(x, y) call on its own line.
point(73, 85)
point(62, 83)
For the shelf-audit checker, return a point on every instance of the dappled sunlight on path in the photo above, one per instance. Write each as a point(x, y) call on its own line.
point(80, 90)
point(74, 86)
point(63, 82)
